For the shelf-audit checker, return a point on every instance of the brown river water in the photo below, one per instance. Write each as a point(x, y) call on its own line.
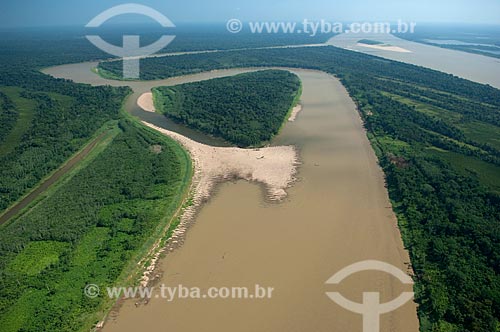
point(337, 213)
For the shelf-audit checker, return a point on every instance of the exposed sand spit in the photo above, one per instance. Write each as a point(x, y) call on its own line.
point(385, 48)
point(338, 214)
point(145, 102)
point(295, 112)
point(274, 166)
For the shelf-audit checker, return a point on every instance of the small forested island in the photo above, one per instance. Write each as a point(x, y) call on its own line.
point(245, 110)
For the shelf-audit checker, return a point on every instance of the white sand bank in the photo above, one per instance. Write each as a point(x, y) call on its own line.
point(145, 101)
point(385, 48)
point(295, 112)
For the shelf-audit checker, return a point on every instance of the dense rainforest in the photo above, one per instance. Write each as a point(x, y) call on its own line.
point(437, 138)
point(246, 109)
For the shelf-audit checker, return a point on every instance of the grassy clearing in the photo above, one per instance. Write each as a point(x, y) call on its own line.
point(36, 257)
point(487, 174)
point(482, 132)
point(427, 109)
point(50, 129)
point(70, 167)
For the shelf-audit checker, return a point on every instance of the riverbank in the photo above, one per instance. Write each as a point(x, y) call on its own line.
point(230, 202)
point(474, 67)
point(295, 112)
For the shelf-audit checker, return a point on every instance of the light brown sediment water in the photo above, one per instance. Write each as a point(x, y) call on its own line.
point(338, 213)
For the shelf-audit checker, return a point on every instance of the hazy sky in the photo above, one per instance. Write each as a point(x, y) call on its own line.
point(70, 12)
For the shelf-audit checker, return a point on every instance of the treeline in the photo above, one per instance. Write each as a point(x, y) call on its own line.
point(485, 110)
point(87, 231)
point(404, 122)
point(450, 220)
point(246, 109)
